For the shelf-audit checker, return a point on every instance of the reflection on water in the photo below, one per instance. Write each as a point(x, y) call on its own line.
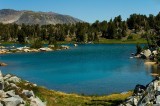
point(153, 70)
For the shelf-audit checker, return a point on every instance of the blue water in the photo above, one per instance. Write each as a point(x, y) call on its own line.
point(88, 69)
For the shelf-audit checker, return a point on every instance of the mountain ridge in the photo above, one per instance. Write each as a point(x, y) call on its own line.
point(8, 16)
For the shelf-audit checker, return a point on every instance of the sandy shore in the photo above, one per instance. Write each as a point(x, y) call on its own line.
point(150, 63)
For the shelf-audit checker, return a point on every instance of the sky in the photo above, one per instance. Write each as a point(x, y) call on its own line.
point(87, 10)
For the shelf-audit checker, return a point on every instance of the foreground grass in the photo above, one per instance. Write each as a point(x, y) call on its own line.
point(55, 98)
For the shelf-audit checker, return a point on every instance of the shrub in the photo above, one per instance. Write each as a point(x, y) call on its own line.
point(139, 49)
point(130, 37)
point(37, 44)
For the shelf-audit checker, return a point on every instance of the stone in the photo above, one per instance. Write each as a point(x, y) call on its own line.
point(3, 94)
point(135, 101)
point(65, 47)
point(128, 104)
point(36, 102)
point(14, 85)
point(26, 50)
point(1, 81)
point(158, 99)
point(3, 64)
point(75, 45)
point(28, 93)
point(14, 79)
point(147, 53)
point(12, 101)
point(6, 83)
point(34, 85)
point(1, 104)
point(124, 93)
point(7, 76)
point(155, 52)
point(11, 93)
point(139, 89)
point(22, 105)
point(45, 49)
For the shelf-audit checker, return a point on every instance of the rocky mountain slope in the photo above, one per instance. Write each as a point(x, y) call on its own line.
point(31, 17)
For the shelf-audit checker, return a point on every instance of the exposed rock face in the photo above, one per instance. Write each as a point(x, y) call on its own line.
point(31, 17)
point(148, 95)
point(16, 96)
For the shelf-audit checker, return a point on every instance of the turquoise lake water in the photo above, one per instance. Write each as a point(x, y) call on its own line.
point(86, 69)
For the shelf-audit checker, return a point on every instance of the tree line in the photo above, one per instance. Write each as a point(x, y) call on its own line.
point(144, 26)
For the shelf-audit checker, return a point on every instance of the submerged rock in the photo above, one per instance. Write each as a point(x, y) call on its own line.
point(3, 64)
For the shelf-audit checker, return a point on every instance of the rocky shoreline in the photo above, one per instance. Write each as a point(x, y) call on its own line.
point(148, 95)
point(13, 94)
point(25, 49)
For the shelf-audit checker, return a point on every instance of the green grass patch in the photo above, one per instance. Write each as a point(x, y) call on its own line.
point(56, 98)
point(119, 41)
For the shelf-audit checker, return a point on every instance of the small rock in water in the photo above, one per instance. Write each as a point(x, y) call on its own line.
point(3, 64)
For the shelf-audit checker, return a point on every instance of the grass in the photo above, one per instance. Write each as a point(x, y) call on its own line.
point(56, 98)
point(5, 43)
point(117, 41)
point(101, 41)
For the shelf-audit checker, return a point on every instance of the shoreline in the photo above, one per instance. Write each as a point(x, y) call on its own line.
point(25, 49)
point(27, 93)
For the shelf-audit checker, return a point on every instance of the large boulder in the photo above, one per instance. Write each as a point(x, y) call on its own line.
point(11, 93)
point(3, 94)
point(147, 53)
point(7, 76)
point(12, 101)
point(139, 89)
point(158, 99)
point(1, 81)
point(1, 104)
point(155, 52)
point(14, 79)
